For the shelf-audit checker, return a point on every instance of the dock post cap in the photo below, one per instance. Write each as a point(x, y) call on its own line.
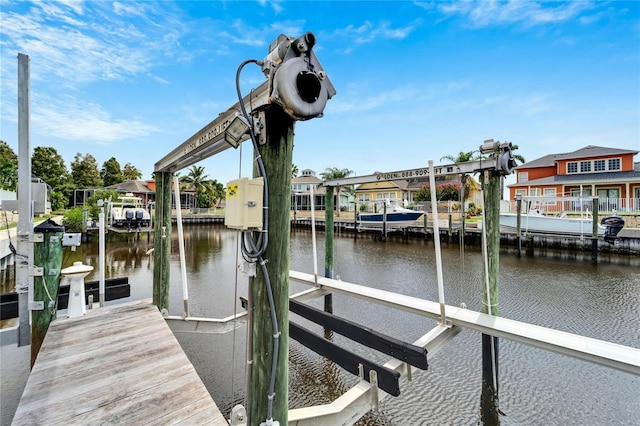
point(77, 268)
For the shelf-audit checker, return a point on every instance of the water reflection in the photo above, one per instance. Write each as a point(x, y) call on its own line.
point(537, 387)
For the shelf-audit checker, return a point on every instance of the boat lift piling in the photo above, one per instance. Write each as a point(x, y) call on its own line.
point(297, 89)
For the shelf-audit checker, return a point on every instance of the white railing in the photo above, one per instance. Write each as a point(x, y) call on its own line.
point(576, 205)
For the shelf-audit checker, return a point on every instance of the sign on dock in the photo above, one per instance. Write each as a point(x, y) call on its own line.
point(115, 365)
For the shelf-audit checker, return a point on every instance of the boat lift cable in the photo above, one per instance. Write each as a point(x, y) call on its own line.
point(253, 251)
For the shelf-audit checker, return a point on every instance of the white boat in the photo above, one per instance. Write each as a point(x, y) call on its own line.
point(396, 217)
point(537, 222)
point(129, 212)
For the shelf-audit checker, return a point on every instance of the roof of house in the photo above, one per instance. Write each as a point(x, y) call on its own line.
point(135, 186)
point(630, 176)
point(306, 179)
point(586, 152)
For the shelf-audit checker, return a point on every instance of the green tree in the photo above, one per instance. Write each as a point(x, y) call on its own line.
point(111, 173)
point(72, 219)
point(196, 180)
point(462, 157)
point(8, 167)
point(91, 203)
point(444, 192)
point(336, 173)
point(212, 195)
point(130, 172)
point(84, 170)
point(469, 184)
point(48, 165)
point(294, 171)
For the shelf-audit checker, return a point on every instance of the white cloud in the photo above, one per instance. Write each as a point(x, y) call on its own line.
point(369, 32)
point(68, 51)
point(73, 119)
point(528, 13)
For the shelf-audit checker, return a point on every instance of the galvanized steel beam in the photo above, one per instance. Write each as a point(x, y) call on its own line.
point(620, 357)
point(209, 140)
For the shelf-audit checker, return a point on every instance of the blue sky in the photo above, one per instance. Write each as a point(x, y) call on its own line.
point(415, 81)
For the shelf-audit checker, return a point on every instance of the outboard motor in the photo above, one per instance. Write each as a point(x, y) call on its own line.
point(129, 216)
point(613, 225)
point(139, 216)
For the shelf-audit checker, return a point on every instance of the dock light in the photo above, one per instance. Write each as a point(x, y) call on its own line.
point(238, 127)
point(298, 83)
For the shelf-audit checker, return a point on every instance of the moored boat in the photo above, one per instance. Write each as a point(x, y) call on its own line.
point(394, 217)
point(539, 223)
point(129, 212)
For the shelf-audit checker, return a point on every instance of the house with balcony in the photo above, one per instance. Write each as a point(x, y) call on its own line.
point(608, 173)
point(301, 187)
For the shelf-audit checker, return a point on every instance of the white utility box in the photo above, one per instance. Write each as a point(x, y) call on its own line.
point(244, 204)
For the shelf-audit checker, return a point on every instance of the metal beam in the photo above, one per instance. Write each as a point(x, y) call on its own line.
point(24, 258)
point(422, 172)
point(210, 139)
point(363, 397)
point(620, 357)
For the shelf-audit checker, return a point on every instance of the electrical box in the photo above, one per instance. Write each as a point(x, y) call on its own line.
point(71, 239)
point(244, 204)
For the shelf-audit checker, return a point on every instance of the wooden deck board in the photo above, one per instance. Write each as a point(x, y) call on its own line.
point(115, 365)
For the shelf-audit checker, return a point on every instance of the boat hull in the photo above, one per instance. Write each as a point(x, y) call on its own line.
point(540, 224)
point(393, 220)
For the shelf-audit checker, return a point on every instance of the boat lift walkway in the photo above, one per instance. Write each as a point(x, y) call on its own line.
point(115, 365)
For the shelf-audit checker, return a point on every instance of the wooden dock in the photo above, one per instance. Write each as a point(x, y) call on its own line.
point(115, 365)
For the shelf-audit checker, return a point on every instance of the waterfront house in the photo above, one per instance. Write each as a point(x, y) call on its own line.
point(608, 173)
point(404, 190)
point(301, 192)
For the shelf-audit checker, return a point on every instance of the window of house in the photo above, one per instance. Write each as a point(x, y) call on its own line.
point(385, 195)
point(521, 192)
point(585, 166)
point(363, 198)
point(614, 164)
point(572, 167)
point(577, 192)
point(534, 192)
point(599, 165)
point(549, 192)
point(523, 176)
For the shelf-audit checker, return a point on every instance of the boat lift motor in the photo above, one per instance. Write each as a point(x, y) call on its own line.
point(613, 225)
point(297, 81)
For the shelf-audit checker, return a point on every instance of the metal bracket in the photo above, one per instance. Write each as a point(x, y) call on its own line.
point(36, 271)
point(34, 238)
point(373, 380)
point(247, 268)
point(259, 121)
point(408, 367)
point(238, 416)
point(36, 305)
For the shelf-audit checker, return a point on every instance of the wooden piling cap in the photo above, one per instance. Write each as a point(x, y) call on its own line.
point(77, 268)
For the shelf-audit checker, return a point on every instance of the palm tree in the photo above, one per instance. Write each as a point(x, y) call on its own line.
point(336, 173)
point(294, 171)
point(468, 185)
point(196, 180)
point(462, 157)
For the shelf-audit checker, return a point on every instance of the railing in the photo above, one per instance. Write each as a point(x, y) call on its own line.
point(577, 206)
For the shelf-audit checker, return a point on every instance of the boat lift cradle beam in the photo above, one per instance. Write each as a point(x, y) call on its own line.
point(361, 398)
point(613, 355)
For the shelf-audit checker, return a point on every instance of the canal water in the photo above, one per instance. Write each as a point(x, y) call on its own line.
point(551, 289)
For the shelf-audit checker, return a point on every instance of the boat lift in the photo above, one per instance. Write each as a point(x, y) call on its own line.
point(230, 129)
